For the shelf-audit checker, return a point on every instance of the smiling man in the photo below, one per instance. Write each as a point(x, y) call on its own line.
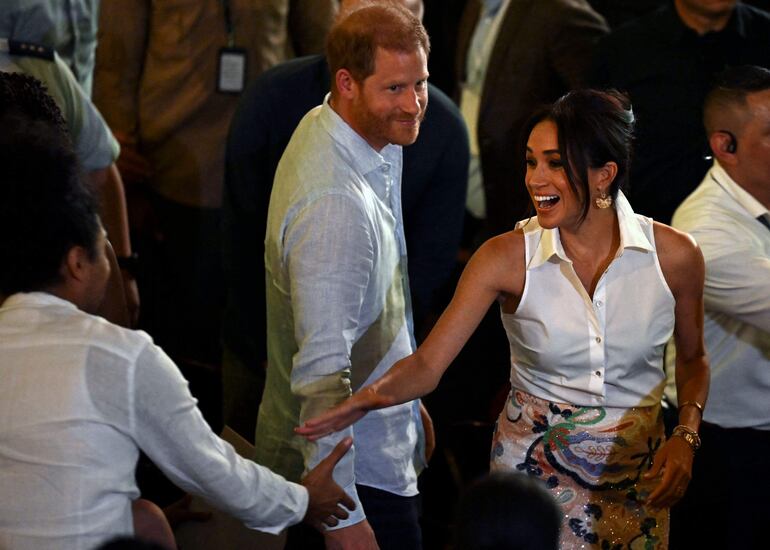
point(335, 260)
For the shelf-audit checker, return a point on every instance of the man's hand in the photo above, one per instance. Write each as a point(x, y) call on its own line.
point(325, 495)
point(356, 537)
point(134, 168)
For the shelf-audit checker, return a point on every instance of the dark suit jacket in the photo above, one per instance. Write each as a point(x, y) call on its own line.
point(434, 184)
point(543, 49)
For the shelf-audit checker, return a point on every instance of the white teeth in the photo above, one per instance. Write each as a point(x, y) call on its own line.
point(540, 198)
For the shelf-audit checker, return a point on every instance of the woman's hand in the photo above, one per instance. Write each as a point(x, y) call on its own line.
point(343, 415)
point(674, 459)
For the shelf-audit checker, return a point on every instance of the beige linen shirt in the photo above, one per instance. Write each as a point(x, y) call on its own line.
point(156, 73)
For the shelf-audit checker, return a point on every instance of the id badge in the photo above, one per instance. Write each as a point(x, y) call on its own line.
point(231, 74)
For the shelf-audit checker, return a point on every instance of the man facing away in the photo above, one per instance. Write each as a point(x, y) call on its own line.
point(80, 396)
point(728, 216)
point(336, 274)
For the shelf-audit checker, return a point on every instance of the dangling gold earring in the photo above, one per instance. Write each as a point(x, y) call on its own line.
point(603, 201)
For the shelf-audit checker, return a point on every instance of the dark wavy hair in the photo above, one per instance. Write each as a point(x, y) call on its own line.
point(594, 127)
point(45, 209)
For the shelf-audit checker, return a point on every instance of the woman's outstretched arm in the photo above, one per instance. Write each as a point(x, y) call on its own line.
point(495, 272)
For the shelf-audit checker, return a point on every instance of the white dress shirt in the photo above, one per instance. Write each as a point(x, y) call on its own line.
point(722, 217)
point(338, 312)
point(79, 398)
point(607, 351)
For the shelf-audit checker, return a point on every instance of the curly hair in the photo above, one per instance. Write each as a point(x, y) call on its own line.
point(26, 95)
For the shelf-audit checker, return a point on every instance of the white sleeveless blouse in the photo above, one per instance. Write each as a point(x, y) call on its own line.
point(568, 348)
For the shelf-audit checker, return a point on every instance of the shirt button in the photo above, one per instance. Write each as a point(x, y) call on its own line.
point(598, 373)
point(599, 303)
point(598, 339)
point(385, 167)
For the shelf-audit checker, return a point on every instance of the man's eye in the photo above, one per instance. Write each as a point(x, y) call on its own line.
point(394, 88)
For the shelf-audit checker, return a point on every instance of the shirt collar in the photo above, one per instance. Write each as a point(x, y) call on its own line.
point(362, 156)
point(35, 299)
point(631, 236)
point(746, 201)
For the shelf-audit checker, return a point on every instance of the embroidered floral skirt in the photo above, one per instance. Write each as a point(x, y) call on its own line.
point(591, 459)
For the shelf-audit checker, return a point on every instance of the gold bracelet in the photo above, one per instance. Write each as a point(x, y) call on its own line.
point(689, 435)
point(692, 404)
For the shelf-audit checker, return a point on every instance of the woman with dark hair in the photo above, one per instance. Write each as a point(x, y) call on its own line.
point(590, 293)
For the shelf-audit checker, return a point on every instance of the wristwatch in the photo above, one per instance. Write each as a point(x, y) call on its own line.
point(690, 436)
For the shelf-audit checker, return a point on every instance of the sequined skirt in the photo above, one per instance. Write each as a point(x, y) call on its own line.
point(592, 460)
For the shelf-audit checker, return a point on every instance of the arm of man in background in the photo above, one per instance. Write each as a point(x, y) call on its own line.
point(123, 33)
point(123, 30)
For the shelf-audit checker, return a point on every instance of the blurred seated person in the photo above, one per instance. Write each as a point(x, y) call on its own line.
point(81, 396)
point(94, 144)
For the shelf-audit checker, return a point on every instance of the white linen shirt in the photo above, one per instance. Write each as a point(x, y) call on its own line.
point(607, 351)
point(722, 217)
point(79, 397)
point(338, 314)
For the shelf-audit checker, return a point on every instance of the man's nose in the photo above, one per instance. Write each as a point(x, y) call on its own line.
point(411, 102)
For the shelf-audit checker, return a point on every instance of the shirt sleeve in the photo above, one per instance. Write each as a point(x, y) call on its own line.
point(737, 275)
point(94, 143)
point(169, 428)
point(329, 255)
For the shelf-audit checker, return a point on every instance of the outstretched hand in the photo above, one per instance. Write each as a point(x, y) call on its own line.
point(343, 415)
point(325, 496)
point(674, 460)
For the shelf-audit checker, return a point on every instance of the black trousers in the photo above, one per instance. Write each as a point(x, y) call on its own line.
point(394, 520)
point(726, 503)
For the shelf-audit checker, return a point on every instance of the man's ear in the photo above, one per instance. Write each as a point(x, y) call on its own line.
point(76, 264)
point(347, 86)
point(723, 146)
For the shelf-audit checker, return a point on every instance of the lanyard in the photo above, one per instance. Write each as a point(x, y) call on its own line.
point(229, 27)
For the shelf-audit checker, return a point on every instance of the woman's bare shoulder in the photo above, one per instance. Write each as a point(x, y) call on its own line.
point(672, 242)
point(502, 259)
point(679, 255)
